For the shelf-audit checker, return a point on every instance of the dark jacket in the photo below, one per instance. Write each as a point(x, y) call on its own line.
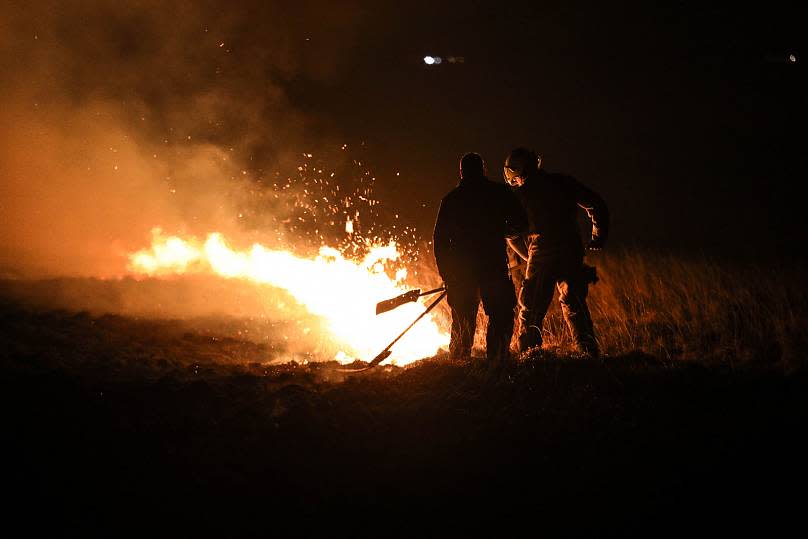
point(473, 222)
point(551, 202)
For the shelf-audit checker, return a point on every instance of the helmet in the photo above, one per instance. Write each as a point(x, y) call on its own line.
point(520, 164)
point(472, 165)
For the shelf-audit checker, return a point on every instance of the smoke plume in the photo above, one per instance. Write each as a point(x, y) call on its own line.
point(121, 117)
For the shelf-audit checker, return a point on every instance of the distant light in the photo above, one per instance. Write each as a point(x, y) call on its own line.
point(438, 59)
point(428, 60)
point(792, 58)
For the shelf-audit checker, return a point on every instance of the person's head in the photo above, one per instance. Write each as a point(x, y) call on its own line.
point(472, 166)
point(519, 165)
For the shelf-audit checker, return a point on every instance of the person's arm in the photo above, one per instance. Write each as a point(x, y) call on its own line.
point(598, 213)
point(518, 246)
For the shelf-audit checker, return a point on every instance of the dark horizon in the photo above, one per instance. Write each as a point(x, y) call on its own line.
point(687, 119)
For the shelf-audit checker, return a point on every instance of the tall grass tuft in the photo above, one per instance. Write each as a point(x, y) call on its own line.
point(693, 308)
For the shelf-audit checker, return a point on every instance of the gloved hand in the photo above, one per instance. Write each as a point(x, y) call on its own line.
point(596, 244)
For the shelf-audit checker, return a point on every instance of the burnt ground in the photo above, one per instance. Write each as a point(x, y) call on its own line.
point(114, 425)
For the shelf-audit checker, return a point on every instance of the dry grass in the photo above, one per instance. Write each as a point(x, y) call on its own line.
point(669, 306)
point(679, 308)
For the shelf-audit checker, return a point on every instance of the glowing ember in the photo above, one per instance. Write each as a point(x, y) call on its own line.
point(341, 291)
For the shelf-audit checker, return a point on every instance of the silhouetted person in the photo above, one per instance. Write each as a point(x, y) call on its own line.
point(554, 250)
point(473, 222)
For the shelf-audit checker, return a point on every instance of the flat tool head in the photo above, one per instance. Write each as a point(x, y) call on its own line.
point(392, 303)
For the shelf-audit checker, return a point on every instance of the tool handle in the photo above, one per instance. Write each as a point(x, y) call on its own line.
point(433, 291)
point(431, 306)
point(381, 357)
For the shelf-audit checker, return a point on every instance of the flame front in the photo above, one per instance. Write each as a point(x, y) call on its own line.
point(341, 291)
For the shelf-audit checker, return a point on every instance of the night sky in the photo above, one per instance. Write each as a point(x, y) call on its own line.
point(688, 118)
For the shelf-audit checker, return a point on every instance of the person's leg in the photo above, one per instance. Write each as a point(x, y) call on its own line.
point(572, 293)
point(498, 299)
point(463, 299)
point(534, 299)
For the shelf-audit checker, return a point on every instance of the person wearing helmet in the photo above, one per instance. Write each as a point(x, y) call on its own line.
point(473, 222)
point(553, 250)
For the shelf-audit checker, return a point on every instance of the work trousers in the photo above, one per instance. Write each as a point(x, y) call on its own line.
point(498, 299)
point(545, 274)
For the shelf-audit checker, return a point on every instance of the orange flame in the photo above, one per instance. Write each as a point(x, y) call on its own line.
point(341, 291)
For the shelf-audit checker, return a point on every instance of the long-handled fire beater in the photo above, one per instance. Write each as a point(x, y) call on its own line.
point(392, 303)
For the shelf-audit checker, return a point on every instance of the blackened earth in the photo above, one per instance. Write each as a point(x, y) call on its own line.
point(114, 425)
